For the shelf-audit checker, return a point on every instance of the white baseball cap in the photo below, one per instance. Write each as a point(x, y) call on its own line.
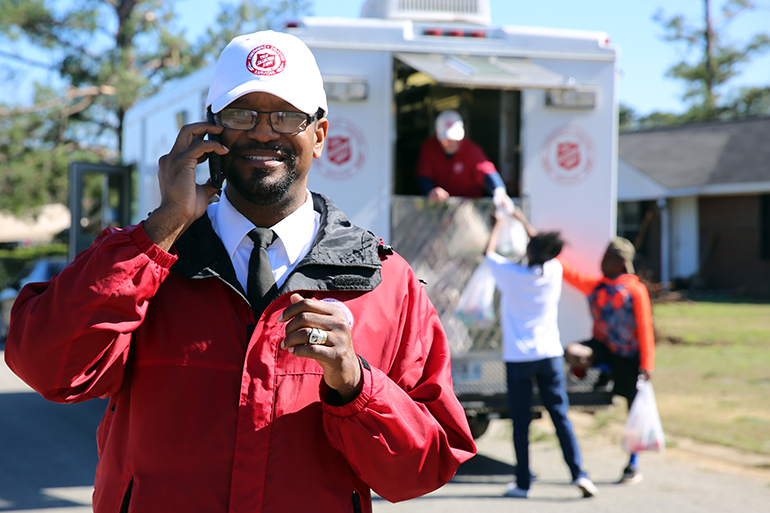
point(269, 62)
point(449, 126)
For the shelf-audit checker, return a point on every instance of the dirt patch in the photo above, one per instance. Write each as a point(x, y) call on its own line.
point(674, 341)
point(720, 457)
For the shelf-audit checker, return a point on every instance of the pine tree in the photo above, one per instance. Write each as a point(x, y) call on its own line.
point(717, 61)
point(107, 55)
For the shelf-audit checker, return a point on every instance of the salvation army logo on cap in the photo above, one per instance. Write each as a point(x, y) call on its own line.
point(266, 60)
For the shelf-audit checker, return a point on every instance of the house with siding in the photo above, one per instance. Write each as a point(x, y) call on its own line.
point(695, 199)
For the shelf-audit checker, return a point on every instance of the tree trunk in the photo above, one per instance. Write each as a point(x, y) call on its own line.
point(709, 71)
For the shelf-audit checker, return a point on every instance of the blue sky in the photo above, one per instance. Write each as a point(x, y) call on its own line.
point(645, 57)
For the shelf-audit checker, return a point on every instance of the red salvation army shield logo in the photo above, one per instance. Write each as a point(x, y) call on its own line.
point(340, 149)
point(568, 155)
point(265, 60)
point(344, 150)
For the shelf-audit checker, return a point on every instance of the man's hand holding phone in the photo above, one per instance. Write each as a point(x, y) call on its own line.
point(182, 199)
point(215, 162)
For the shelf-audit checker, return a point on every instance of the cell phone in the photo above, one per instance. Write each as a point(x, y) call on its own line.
point(215, 160)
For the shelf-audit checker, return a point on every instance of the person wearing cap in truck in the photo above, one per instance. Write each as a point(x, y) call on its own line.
point(532, 350)
point(259, 353)
point(623, 338)
point(451, 164)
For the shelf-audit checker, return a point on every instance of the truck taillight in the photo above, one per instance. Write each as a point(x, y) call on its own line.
point(453, 32)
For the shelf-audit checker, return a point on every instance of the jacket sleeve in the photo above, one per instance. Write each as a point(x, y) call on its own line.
point(584, 282)
point(426, 161)
point(644, 331)
point(69, 337)
point(482, 166)
point(406, 433)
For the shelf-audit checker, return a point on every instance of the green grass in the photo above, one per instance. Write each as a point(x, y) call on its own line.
point(712, 373)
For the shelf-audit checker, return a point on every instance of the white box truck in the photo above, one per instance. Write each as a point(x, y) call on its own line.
point(542, 103)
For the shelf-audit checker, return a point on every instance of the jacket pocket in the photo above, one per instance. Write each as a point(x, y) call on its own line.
point(127, 497)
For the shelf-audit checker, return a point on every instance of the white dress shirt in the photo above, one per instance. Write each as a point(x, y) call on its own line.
point(296, 234)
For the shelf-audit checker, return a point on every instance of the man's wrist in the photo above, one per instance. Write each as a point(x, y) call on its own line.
point(163, 226)
point(343, 397)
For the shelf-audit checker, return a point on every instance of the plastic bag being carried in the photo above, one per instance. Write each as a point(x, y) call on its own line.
point(643, 430)
point(476, 307)
point(512, 241)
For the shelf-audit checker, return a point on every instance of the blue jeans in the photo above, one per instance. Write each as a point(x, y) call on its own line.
point(552, 383)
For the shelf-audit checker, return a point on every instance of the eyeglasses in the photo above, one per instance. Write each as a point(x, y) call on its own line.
point(282, 121)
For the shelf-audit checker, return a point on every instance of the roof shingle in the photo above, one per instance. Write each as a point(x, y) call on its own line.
point(701, 154)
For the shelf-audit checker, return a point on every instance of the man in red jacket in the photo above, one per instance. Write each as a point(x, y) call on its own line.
point(450, 164)
point(259, 353)
point(623, 338)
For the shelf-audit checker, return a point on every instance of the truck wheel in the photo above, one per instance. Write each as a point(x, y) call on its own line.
point(478, 425)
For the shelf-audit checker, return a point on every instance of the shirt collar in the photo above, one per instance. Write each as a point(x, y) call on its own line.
point(294, 231)
point(229, 224)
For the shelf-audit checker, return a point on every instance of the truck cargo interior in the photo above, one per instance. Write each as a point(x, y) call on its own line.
point(492, 119)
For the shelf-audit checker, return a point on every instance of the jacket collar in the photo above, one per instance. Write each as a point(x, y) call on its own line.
point(343, 256)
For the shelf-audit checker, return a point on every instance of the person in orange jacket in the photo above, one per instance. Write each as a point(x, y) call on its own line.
point(622, 332)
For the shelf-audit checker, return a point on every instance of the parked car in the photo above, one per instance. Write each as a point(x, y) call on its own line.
point(42, 269)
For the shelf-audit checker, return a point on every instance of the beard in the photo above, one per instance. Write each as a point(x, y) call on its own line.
point(256, 187)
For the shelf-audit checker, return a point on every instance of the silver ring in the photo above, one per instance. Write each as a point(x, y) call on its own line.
point(317, 337)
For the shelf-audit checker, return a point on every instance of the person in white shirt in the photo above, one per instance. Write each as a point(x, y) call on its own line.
point(529, 298)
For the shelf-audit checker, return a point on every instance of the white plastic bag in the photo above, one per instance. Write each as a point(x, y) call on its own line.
point(476, 306)
point(643, 430)
point(512, 241)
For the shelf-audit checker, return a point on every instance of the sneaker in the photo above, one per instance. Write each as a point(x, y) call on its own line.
point(586, 486)
point(514, 491)
point(630, 475)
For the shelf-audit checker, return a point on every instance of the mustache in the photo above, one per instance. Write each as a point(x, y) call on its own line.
point(284, 151)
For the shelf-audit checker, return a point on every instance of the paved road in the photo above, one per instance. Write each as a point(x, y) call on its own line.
point(671, 484)
point(47, 450)
point(48, 455)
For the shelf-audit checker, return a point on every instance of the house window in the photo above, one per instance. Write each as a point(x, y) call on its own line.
point(634, 219)
point(629, 219)
point(764, 226)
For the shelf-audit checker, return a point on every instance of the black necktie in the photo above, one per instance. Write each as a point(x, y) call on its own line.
point(261, 283)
